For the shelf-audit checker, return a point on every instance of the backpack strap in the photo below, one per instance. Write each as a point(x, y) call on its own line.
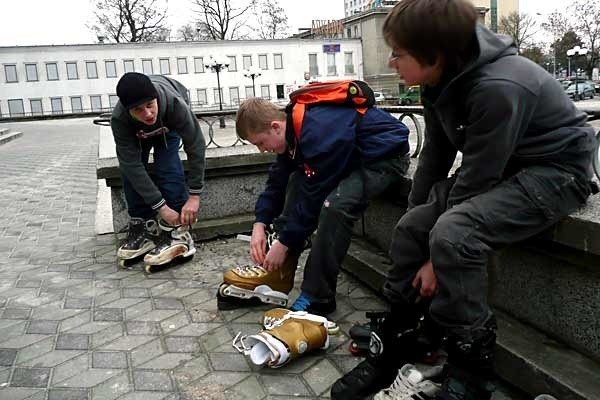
point(298, 117)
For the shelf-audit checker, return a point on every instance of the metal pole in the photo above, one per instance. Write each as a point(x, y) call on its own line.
point(253, 87)
point(221, 120)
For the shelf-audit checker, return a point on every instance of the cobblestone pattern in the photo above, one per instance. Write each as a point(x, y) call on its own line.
point(74, 326)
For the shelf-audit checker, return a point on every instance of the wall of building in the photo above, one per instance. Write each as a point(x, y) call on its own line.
point(294, 56)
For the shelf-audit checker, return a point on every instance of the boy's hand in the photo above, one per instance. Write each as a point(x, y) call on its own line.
point(258, 243)
point(169, 215)
point(425, 280)
point(189, 212)
point(275, 257)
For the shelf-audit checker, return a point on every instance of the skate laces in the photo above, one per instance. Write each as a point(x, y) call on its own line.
point(410, 384)
point(250, 271)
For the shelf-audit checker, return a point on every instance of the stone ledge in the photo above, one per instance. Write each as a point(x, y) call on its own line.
point(9, 136)
point(526, 358)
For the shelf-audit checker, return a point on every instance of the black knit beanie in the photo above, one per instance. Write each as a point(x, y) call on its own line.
point(134, 89)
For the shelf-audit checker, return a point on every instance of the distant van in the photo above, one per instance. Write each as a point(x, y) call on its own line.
point(411, 96)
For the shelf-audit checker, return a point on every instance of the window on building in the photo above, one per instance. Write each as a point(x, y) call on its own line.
point(280, 93)
point(277, 61)
point(128, 66)
point(36, 106)
point(313, 67)
point(182, 65)
point(31, 73)
point(91, 69)
point(234, 95)
point(147, 67)
point(198, 65)
point(56, 105)
point(112, 100)
point(15, 108)
point(202, 99)
point(216, 96)
point(111, 68)
point(165, 66)
point(355, 30)
point(76, 105)
point(262, 61)
point(96, 102)
point(52, 71)
point(232, 64)
point(331, 69)
point(265, 93)
point(249, 91)
point(349, 33)
point(348, 63)
point(72, 70)
point(10, 71)
point(247, 61)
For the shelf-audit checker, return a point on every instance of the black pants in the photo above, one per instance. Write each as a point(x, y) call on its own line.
point(458, 240)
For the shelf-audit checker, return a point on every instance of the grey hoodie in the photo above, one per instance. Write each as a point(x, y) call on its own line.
point(173, 112)
point(503, 112)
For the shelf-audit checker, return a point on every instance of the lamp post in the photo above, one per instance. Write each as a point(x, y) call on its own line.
point(218, 66)
point(574, 52)
point(253, 74)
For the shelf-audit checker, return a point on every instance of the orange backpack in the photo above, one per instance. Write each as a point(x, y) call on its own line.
point(349, 93)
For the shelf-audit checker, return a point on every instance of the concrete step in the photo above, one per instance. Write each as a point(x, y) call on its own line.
point(4, 131)
point(9, 136)
point(526, 358)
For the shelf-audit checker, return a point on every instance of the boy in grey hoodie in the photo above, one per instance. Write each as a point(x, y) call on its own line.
point(526, 157)
point(153, 112)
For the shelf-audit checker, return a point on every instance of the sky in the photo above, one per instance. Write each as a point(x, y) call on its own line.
point(43, 22)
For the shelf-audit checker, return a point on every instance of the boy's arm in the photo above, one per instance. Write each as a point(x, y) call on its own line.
point(435, 160)
point(187, 126)
point(131, 166)
point(270, 202)
point(498, 114)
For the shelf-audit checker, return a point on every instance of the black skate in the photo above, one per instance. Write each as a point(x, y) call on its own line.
point(361, 337)
point(141, 236)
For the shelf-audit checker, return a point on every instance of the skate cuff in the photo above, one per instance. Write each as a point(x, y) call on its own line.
point(195, 192)
point(158, 205)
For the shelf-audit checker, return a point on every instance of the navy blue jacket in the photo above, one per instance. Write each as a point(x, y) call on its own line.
point(327, 150)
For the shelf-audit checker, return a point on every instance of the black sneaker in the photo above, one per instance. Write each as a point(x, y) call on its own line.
point(304, 303)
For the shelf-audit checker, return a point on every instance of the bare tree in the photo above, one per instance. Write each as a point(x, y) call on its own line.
point(190, 32)
point(222, 19)
point(521, 27)
point(130, 20)
point(271, 20)
point(586, 17)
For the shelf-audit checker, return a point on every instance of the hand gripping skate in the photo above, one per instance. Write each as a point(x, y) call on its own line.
point(174, 243)
point(249, 282)
point(294, 334)
point(412, 384)
point(141, 237)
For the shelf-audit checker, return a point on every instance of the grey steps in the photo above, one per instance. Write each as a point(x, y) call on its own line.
point(6, 136)
point(527, 358)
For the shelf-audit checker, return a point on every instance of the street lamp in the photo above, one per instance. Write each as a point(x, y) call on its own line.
point(574, 52)
point(253, 74)
point(218, 66)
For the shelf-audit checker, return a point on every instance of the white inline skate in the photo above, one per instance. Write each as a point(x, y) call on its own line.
point(174, 244)
point(141, 237)
point(288, 337)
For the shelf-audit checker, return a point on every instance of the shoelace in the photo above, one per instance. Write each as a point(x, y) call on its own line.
point(403, 388)
point(250, 270)
point(301, 304)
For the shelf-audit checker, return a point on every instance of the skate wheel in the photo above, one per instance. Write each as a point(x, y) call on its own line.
point(354, 349)
point(222, 289)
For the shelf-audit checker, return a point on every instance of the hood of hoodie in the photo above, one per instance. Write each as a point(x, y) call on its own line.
point(487, 47)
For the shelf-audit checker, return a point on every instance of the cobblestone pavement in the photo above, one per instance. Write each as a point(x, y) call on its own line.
point(73, 326)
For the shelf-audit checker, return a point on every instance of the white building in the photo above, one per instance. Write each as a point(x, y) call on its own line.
point(352, 7)
point(73, 78)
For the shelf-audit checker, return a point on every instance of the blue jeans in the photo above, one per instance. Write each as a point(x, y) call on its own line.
point(167, 174)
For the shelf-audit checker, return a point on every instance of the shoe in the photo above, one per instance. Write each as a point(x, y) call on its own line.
point(412, 384)
point(141, 237)
point(304, 303)
point(275, 316)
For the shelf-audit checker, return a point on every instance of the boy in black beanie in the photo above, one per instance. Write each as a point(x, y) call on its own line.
point(154, 112)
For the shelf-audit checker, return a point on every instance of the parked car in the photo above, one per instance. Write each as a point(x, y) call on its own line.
point(581, 91)
point(379, 97)
point(411, 96)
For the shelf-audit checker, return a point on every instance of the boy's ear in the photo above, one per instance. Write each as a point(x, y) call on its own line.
point(276, 125)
